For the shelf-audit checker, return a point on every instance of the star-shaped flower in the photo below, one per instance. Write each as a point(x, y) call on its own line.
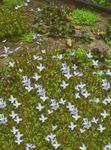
point(12, 99)
point(43, 97)
point(62, 101)
point(104, 114)
point(68, 75)
point(39, 107)
point(43, 118)
point(56, 144)
point(74, 67)
point(95, 62)
point(76, 117)
point(36, 76)
point(17, 119)
point(95, 120)
point(89, 55)
point(64, 84)
point(72, 126)
point(40, 67)
point(13, 114)
point(18, 141)
point(16, 104)
point(18, 135)
point(101, 128)
point(28, 88)
point(14, 130)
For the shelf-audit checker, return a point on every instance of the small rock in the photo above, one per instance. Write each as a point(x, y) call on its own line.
point(69, 42)
point(78, 27)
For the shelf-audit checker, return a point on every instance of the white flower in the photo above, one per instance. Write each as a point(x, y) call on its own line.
point(101, 128)
point(89, 55)
point(40, 67)
point(37, 57)
point(95, 120)
point(43, 97)
point(95, 62)
point(12, 99)
point(36, 76)
point(104, 114)
point(64, 85)
point(108, 146)
point(83, 147)
point(28, 88)
point(17, 119)
point(68, 75)
point(50, 111)
point(62, 101)
point(39, 107)
point(106, 85)
point(72, 126)
point(54, 127)
point(14, 130)
point(17, 7)
point(82, 130)
point(18, 141)
point(108, 72)
point(74, 67)
point(51, 136)
point(18, 135)
point(13, 114)
point(76, 117)
point(56, 144)
point(60, 56)
point(16, 104)
point(77, 96)
point(11, 64)
point(43, 118)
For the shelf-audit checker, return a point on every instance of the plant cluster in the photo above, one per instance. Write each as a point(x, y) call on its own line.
point(13, 3)
point(54, 21)
point(83, 17)
point(61, 100)
point(103, 2)
point(13, 23)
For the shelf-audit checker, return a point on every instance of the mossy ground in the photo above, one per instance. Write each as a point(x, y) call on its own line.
point(51, 78)
point(34, 131)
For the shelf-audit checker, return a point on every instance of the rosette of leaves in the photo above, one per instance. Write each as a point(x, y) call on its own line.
point(13, 23)
point(54, 21)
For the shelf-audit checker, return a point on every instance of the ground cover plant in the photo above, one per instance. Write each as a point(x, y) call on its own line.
point(12, 3)
point(53, 21)
point(83, 17)
point(55, 101)
point(102, 2)
point(13, 23)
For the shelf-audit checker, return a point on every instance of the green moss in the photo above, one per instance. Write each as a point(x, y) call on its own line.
point(83, 17)
point(13, 3)
point(12, 23)
point(35, 131)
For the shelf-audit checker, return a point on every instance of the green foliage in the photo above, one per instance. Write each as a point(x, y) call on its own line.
point(53, 21)
point(51, 80)
point(103, 2)
point(12, 23)
point(26, 37)
point(13, 3)
point(83, 17)
point(108, 31)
